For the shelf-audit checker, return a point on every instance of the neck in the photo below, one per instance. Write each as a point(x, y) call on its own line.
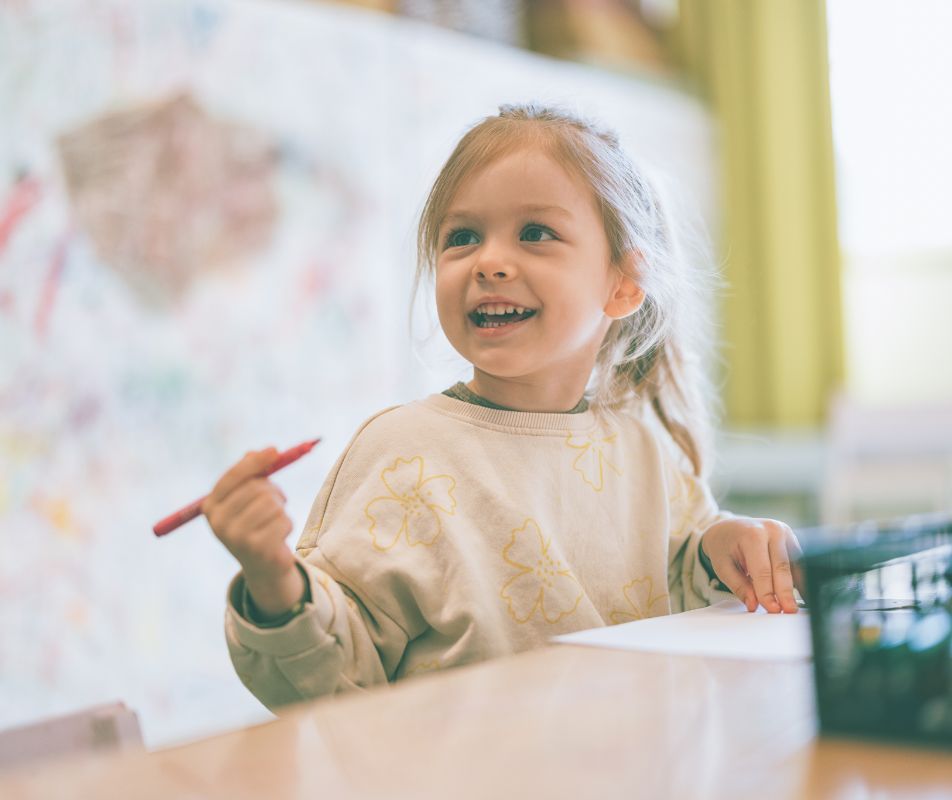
point(528, 394)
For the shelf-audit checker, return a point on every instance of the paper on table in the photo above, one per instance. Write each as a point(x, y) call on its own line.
point(724, 630)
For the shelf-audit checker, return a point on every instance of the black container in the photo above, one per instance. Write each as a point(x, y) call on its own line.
point(880, 601)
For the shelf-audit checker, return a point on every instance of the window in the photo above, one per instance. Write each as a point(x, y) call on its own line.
point(892, 124)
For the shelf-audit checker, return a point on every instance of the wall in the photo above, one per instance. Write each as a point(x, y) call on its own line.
point(206, 227)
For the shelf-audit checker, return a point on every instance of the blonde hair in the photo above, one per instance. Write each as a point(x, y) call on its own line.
point(651, 356)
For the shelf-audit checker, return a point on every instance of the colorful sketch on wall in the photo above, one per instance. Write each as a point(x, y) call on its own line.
point(206, 230)
point(163, 191)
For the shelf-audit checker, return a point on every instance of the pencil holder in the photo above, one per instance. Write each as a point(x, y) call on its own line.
point(880, 599)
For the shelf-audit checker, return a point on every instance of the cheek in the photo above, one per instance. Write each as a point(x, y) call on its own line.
point(447, 300)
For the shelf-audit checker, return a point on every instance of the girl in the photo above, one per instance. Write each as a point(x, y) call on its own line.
point(560, 489)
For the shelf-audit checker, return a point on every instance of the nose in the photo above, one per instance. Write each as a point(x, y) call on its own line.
point(493, 264)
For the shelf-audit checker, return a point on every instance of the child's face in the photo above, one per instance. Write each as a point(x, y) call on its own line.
point(524, 233)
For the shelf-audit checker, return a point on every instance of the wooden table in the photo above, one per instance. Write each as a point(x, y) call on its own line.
point(565, 721)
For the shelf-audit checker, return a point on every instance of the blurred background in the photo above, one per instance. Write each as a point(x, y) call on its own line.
point(207, 218)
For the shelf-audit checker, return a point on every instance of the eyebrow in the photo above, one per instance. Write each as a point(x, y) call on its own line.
point(527, 209)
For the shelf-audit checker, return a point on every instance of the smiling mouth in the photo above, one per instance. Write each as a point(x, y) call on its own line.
point(486, 320)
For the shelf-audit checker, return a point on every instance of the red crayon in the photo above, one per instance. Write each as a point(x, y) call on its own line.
point(192, 510)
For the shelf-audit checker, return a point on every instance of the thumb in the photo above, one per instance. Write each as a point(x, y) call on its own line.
point(253, 464)
point(264, 458)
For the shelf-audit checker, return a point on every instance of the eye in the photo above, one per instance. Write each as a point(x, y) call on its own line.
point(460, 237)
point(537, 233)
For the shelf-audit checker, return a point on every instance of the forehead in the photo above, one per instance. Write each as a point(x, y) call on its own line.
point(526, 177)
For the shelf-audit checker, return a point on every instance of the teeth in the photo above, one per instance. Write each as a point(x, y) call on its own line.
point(493, 309)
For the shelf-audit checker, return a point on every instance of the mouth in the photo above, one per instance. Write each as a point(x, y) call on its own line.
point(497, 315)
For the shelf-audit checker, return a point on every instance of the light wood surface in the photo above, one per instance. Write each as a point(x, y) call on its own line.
point(565, 721)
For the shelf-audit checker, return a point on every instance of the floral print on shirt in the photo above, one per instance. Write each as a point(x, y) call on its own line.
point(595, 448)
point(541, 583)
point(413, 507)
point(642, 601)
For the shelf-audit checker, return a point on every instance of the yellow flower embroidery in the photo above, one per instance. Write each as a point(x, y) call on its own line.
point(591, 462)
point(542, 583)
point(642, 601)
point(423, 667)
point(412, 507)
point(684, 505)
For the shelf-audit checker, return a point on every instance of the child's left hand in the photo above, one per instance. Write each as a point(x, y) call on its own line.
point(753, 558)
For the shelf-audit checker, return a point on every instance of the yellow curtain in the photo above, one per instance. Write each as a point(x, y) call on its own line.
point(762, 65)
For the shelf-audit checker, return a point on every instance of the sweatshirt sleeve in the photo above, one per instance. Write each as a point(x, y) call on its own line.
point(340, 640)
point(325, 649)
point(692, 510)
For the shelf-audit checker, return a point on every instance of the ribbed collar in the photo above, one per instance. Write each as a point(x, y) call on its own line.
point(462, 392)
point(513, 421)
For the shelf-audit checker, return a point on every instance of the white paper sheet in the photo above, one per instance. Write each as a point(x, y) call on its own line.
point(724, 630)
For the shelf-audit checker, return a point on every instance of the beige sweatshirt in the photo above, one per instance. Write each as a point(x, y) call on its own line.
point(448, 533)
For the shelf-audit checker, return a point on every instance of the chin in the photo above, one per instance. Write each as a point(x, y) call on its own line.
point(503, 372)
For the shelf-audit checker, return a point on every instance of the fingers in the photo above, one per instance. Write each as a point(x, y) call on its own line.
point(782, 570)
point(238, 500)
point(248, 506)
point(265, 551)
point(246, 513)
point(796, 553)
point(256, 536)
point(768, 562)
point(756, 559)
point(260, 511)
point(737, 581)
point(253, 464)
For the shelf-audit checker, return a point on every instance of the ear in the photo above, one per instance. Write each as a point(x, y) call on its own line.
point(627, 296)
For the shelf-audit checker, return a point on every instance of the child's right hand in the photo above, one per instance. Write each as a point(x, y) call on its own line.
point(246, 512)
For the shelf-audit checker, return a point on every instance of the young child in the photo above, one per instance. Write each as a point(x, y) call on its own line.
point(560, 489)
